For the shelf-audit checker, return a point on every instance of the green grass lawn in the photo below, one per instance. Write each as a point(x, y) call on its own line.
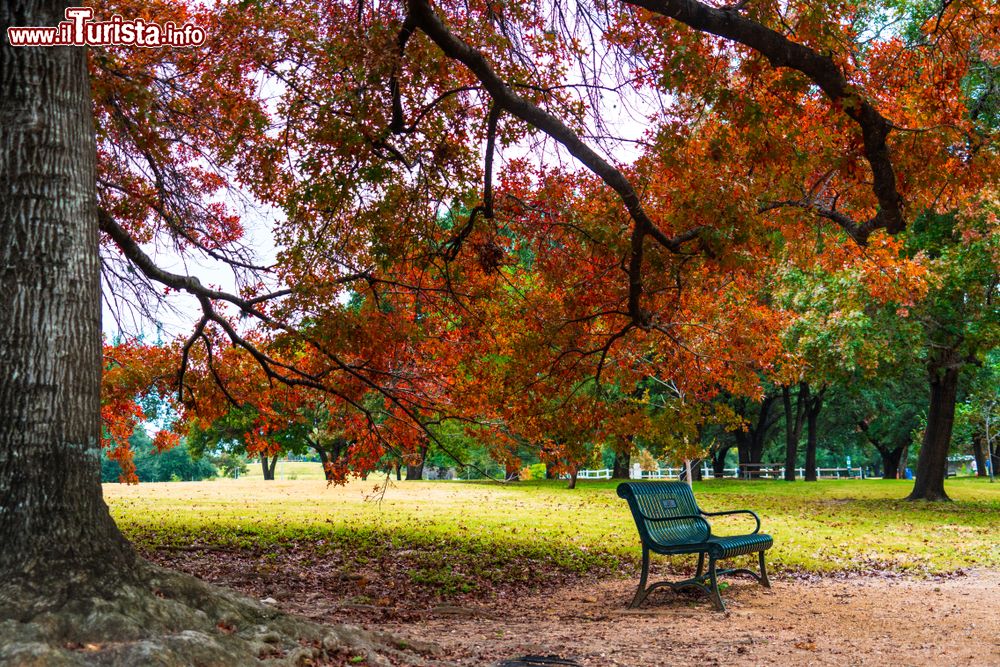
point(827, 526)
point(291, 470)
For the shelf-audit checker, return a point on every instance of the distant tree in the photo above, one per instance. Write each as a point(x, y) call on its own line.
point(152, 465)
point(960, 319)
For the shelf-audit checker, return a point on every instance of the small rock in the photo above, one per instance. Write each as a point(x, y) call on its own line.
point(269, 601)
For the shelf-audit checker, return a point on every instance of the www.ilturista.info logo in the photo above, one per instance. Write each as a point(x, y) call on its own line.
point(80, 30)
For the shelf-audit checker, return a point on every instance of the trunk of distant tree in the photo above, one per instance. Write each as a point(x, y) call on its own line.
point(932, 465)
point(512, 472)
point(979, 451)
point(329, 456)
point(324, 458)
point(622, 468)
point(994, 458)
point(813, 408)
point(415, 471)
point(750, 443)
point(696, 475)
point(58, 539)
point(719, 461)
point(891, 454)
point(399, 470)
point(793, 426)
point(572, 478)
point(891, 459)
point(267, 465)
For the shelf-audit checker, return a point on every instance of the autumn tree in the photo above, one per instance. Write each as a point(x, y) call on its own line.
point(68, 575)
point(587, 255)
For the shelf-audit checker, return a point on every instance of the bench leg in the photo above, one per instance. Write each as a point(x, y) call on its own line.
point(714, 589)
point(640, 593)
point(701, 565)
point(764, 581)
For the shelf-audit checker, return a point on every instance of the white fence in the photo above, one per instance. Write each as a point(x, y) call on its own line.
point(744, 471)
point(603, 473)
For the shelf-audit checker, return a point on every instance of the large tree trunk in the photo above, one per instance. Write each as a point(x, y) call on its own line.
point(68, 578)
point(932, 465)
point(57, 538)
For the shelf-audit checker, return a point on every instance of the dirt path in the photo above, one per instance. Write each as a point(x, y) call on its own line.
point(849, 620)
point(856, 621)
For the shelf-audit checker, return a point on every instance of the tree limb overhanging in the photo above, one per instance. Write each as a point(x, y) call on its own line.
point(504, 97)
point(780, 51)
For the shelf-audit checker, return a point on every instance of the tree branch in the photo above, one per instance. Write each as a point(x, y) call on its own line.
point(821, 70)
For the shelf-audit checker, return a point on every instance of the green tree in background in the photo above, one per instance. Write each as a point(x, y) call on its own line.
point(175, 464)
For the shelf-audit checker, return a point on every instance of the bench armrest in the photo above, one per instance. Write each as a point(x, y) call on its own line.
point(751, 513)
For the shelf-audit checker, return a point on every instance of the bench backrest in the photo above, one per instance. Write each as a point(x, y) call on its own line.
point(664, 499)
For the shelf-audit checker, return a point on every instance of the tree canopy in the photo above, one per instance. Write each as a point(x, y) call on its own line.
point(488, 213)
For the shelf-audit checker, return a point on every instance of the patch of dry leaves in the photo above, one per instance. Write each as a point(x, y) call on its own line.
point(853, 620)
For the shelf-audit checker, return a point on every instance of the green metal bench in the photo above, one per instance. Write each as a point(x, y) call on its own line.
point(670, 522)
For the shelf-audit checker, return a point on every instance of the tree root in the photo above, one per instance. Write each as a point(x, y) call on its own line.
point(173, 619)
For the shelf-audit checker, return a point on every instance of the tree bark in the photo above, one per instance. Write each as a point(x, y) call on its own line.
point(415, 471)
point(719, 461)
point(793, 426)
point(932, 464)
point(330, 457)
point(696, 475)
point(324, 458)
point(891, 459)
point(891, 455)
point(979, 451)
point(813, 408)
point(750, 443)
point(268, 465)
point(622, 467)
point(58, 539)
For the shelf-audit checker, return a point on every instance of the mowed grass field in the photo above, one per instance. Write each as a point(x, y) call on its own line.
point(822, 527)
point(286, 470)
